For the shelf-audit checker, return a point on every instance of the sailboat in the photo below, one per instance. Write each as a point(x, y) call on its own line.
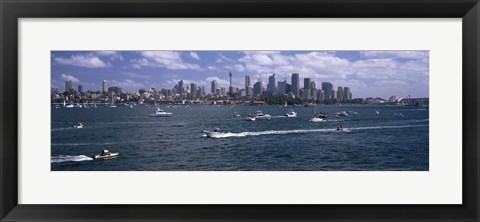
point(317, 118)
point(112, 105)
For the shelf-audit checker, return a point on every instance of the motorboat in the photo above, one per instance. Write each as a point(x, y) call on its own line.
point(251, 118)
point(322, 115)
point(261, 115)
point(161, 113)
point(236, 114)
point(398, 114)
point(105, 155)
point(338, 114)
point(317, 119)
point(291, 113)
point(78, 125)
point(214, 133)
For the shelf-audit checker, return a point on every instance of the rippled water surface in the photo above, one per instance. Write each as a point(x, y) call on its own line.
point(370, 142)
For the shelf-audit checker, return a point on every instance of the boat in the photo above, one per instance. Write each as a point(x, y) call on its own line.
point(251, 118)
point(317, 119)
point(261, 115)
point(236, 114)
point(78, 125)
point(214, 133)
point(69, 106)
point(291, 113)
point(112, 105)
point(339, 128)
point(161, 113)
point(105, 155)
point(398, 114)
point(377, 112)
point(322, 115)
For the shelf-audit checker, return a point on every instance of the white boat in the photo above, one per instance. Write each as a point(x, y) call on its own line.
point(236, 114)
point(112, 105)
point(106, 155)
point(317, 119)
point(69, 106)
point(214, 133)
point(291, 114)
point(251, 118)
point(261, 115)
point(161, 113)
point(377, 112)
point(78, 125)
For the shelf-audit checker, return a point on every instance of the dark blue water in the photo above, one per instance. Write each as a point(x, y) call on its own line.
point(372, 142)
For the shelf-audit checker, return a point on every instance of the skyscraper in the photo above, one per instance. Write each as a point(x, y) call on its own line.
point(68, 86)
point(272, 84)
point(257, 89)
point(104, 86)
point(327, 88)
point(214, 86)
point(282, 88)
point(193, 91)
point(230, 89)
point(180, 86)
point(306, 88)
point(340, 95)
point(247, 82)
point(347, 95)
point(80, 88)
point(295, 84)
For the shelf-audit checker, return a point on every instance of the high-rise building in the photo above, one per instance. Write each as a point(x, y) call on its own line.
point(247, 82)
point(214, 87)
point(68, 86)
point(180, 86)
point(223, 91)
point(295, 84)
point(320, 95)
point(104, 86)
point(282, 88)
point(306, 88)
point(340, 95)
point(272, 84)
point(115, 89)
point(80, 88)
point(193, 90)
point(257, 89)
point(347, 95)
point(230, 88)
point(327, 88)
point(202, 91)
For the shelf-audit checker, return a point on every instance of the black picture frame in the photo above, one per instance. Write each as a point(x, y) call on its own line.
point(11, 11)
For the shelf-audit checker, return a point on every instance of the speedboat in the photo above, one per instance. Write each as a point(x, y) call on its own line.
point(322, 115)
point(78, 125)
point(236, 114)
point(260, 115)
point(105, 155)
point(291, 114)
point(251, 118)
point(161, 113)
point(343, 113)
point(214, 133)
point(316, 119)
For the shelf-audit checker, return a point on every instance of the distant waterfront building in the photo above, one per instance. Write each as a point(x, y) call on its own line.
point(272, 84)
point(340, 93)
point(80, 88)
point(248, 87)
point(68, 86)
point(247, 82)
point(320, 95)
point(257, 89)
point(327, 88)
point(202, 91)
point(104, 86)
point(223, 91)
point(230, 88)
point(306, 88)
point(347, 95)
point(282, 88)
point(180, 86)
point(193, 91)
point(295, 84)
point(115, 89)
point(214, 87)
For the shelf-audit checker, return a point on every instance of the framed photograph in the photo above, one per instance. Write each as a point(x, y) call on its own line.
point(225, 110)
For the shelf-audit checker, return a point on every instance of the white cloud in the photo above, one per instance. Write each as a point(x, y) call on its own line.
point(166, 59)
point(67, 77)
point(87, 61)
point(137, 75)
point(395, 54)
point(194, 55)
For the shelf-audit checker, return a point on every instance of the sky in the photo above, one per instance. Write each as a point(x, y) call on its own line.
point(367, 73)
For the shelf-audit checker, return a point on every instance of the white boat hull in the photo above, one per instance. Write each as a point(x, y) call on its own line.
point(111, 156)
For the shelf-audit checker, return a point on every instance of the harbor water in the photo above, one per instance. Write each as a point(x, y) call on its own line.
point(375, 138)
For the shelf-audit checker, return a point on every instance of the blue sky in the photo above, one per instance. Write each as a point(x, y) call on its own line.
point(367, 73)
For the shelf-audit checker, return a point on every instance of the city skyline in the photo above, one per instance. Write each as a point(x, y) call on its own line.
point(367, 73)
